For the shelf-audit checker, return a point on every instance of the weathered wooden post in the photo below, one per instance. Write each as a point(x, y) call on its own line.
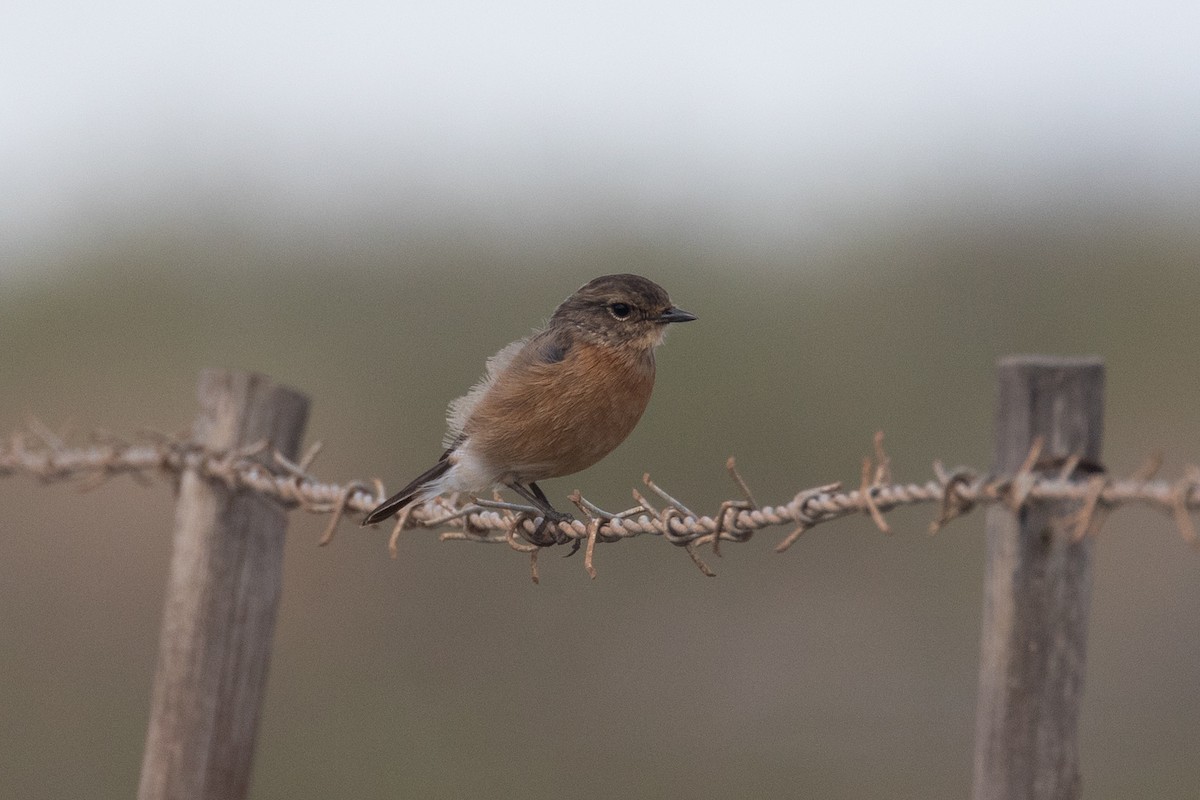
point(222, 595)
point(1037, 588)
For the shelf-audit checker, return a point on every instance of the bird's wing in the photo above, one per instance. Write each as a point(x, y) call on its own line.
point(548, 346)
point(461, 408)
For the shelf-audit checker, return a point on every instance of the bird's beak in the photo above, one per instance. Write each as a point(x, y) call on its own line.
point(674, 314)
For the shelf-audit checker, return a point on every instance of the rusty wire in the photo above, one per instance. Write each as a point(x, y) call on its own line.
point(261, 469)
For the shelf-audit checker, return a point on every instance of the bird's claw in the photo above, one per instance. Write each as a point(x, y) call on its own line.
point(575, 545)
point(545, 536)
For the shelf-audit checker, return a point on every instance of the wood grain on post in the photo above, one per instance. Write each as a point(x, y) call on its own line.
point(1037, 588)
point(222, 595)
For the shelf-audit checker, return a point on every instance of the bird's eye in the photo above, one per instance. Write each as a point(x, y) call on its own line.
point(620, 310)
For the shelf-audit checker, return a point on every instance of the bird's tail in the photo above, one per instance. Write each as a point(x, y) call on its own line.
point(394, 504)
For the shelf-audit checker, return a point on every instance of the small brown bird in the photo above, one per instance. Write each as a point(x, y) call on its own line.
point(555, 402)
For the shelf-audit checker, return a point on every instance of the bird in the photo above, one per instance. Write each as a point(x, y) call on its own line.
point(553, 403)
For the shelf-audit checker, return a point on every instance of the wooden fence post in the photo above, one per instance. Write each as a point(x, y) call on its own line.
point(222, 595)
point(1037, 588)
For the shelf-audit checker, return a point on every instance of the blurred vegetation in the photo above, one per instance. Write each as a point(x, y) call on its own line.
point(844, 669)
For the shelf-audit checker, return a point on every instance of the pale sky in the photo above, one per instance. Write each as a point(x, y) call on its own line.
point(769, 118)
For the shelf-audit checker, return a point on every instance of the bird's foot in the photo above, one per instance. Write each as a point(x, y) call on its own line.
point(548, 533)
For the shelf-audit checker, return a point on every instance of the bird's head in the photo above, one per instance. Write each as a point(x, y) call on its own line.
point(620, 310)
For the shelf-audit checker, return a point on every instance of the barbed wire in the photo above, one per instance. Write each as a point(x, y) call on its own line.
point(263, 470)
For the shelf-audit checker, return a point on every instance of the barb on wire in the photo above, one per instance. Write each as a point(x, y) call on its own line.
point(45, 455)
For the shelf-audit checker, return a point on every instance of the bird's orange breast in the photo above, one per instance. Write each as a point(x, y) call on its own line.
point(543, 420)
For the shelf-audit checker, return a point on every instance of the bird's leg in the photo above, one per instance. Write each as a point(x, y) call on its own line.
point(550, 515)
point(556, 516)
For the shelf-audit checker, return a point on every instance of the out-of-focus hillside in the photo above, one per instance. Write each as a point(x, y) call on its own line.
point(844, 669)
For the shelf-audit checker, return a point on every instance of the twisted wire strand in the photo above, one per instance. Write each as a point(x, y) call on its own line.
point(260, 469)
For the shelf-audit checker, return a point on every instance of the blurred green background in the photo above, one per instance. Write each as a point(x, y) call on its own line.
point(829, 309)
point(844, 668)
